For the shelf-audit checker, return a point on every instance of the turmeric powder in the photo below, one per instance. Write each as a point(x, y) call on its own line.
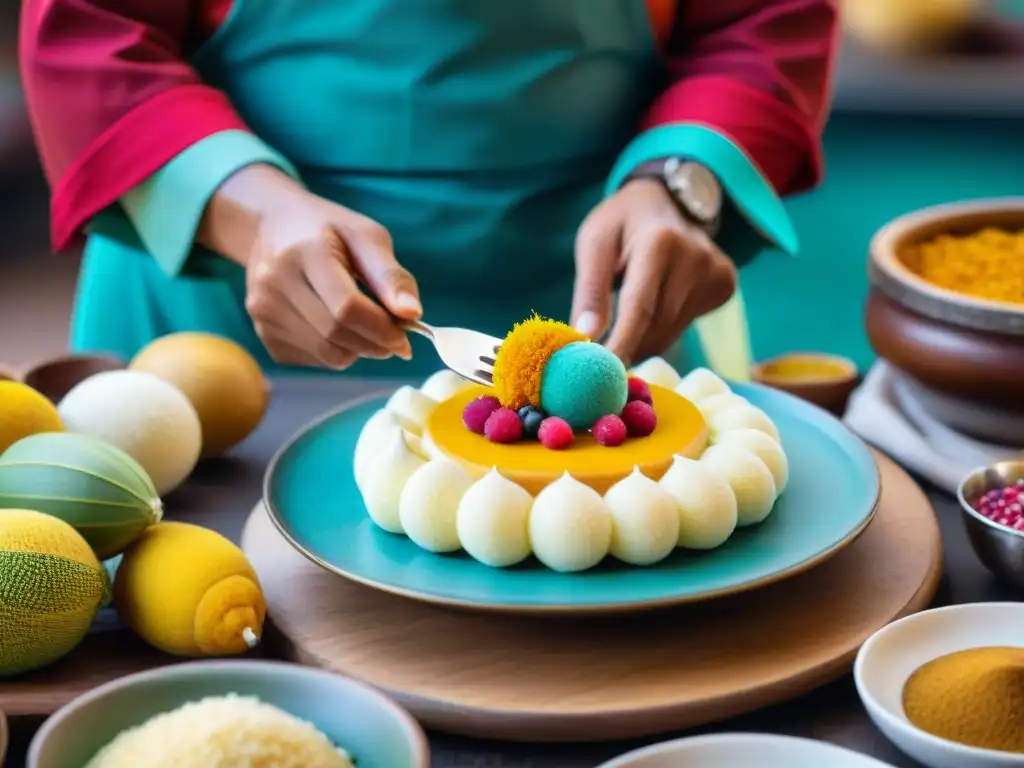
point(988, 264)
point(974, 697)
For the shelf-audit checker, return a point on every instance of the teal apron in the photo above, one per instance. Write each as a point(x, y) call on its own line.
point(479, 132)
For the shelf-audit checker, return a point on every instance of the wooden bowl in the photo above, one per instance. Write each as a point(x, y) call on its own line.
point(7, 374)
point(955, 344)
point(56, 377)
point(4, 737)
point(824, 380)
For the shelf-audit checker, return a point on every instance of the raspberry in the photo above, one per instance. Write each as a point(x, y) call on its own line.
point(638, 390)
point(555, 433)
point(476, 413)
point(610, 431)
point(503, 426)
point(639, 418)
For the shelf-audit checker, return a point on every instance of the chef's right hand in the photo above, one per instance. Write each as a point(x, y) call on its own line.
point(305, 258)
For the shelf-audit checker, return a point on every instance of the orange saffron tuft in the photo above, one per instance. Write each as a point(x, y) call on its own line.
point(520, 361)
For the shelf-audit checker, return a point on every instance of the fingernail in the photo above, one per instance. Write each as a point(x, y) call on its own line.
point(404, 351)
point(587, 323)
point(408, 303)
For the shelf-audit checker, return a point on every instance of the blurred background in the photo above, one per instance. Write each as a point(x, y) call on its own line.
point(929, 108)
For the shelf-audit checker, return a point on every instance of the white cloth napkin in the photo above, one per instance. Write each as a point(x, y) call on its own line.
point(884, 416)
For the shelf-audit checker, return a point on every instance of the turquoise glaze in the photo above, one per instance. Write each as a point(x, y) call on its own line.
point(832, 492)
point(581, 383)
point(372, 728)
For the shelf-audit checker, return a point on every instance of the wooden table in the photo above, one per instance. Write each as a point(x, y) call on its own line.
point(221, 496)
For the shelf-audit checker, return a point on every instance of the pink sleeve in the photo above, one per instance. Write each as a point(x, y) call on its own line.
point(111, 99)
point(758, 72)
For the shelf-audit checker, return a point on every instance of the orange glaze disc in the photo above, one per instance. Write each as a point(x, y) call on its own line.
point(681, 431)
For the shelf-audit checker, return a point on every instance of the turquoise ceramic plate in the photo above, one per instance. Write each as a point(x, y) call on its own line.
point(833, 490)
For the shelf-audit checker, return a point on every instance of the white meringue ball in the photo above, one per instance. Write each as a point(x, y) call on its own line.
point(709, 406)
point(645, 520)
point(765, 448)
point(417, 445)
point(378, 431)
point(570, 526)
point(744, 416)
point(411, 407)
point(654, 370)
point(750, 479)
point(443, 384)
point(429, 503)
point(390, 471)
point(706, 505)
point(493, 521)
point(700, 384)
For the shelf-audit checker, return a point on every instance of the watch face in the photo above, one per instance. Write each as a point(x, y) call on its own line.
point(696, 187)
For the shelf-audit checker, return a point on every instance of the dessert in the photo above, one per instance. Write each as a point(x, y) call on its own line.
point(569, 457)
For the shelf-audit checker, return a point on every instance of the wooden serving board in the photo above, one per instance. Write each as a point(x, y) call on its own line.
point(587, 679)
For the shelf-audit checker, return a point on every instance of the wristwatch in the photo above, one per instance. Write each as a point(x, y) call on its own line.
point(693, 187)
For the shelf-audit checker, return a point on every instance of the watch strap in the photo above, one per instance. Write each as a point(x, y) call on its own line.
point(655, 169)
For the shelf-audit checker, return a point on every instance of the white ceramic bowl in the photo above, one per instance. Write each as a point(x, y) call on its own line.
point(895, 652)
point(744, 750)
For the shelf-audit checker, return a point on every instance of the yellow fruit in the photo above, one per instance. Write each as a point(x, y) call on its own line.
point(190, 592)
point(223, 381)
point(24, 412)
point(51, 586)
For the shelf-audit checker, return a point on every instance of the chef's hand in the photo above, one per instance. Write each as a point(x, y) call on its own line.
point(672, 272)
point(305, 259)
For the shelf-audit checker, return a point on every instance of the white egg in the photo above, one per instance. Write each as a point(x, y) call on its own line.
point(707, 507)
point(493, 521)
point(378, 431)
point(429, 503)
point(385, 480)
point(743, 416)
point(765, 448)
point(645, 520)
point(654, 370)
point(700, 384)
point(411, 408)
point(570, 526)
point(147, 418)
point(750, 479)
point(709, 406)
point(443, 384)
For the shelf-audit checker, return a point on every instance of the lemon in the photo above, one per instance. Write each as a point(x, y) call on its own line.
point(24, 412)
point(190, 592)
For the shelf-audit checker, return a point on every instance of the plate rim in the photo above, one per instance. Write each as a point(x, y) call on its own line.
point(557, 609)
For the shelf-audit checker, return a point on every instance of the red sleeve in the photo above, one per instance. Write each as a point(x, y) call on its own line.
point(111, 99)
point(757, 71)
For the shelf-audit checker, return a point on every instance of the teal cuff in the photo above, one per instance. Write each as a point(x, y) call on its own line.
point(749, 191)
point(164, 211)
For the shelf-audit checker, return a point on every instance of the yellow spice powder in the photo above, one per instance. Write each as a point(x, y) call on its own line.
point(988, 264)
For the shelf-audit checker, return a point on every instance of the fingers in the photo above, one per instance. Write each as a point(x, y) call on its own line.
point(373, 257)
point(598, 248)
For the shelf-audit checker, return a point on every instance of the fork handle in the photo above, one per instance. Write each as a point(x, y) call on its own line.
point(418, 326)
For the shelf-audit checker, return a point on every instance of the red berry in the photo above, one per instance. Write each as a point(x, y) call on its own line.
point(503, 426)
point(638, 390)
point(640, 418)
point(476, 413)
point(610, 431)
point(555, 433)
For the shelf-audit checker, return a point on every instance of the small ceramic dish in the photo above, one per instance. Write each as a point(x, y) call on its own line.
point(890, 656)
point(55, 377)
point(7, 374)
point(372, 728)
point(1000, 548)
point(950, 342)
point(744, 750)
point(824, 380)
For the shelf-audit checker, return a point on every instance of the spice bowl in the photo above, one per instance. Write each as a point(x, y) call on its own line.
point(890, 656)
point(55, 377)
point(967, 348)
point(824, 380)
point(999, 547)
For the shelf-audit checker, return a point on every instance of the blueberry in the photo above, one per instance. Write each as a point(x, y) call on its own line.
point(531, 416)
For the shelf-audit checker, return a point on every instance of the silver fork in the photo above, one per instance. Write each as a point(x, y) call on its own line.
point(469, 353)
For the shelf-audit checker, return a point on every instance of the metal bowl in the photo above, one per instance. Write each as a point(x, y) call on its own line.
point(999, 548)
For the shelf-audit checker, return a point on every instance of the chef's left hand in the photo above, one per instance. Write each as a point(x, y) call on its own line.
point(672, 272)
